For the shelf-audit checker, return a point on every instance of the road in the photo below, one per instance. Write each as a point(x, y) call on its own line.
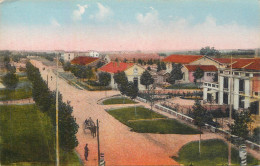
point(118, 143)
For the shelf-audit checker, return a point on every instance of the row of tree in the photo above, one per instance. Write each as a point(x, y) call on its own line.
point(46, 101)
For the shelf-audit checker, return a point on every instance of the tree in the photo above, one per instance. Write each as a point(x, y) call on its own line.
point(149, 68)
point(163, 65)
point(67, 66)
point(89, 72)
point(6, 59)
point(200, 116)
point(146, 79)
point(176, 73)
point(159, 67)
point(132, 91)
point(122, 81)
point(241, 123)
point(198, 74)
point(209, 51)
point(100, 64)
point(125, 60)
point(255, 135)
point(10, 80)
point(254, 107)
point(104, 78)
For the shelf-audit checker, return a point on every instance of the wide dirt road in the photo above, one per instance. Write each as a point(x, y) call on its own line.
point(120, 146)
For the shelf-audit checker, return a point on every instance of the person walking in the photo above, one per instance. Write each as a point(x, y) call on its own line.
point(86, 152)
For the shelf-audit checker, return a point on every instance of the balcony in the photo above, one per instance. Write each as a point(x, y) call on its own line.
point(210, 85)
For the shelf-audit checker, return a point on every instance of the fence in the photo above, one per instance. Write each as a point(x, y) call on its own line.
point(173, 91)
point(208, 127)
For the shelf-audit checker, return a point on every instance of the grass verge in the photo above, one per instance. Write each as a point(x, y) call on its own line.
point(119, 100)
point(28, 136)
point(146, 121)
point(213, 152)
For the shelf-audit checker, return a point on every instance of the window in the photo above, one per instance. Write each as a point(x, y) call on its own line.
point(241, 101)
point(135, 71)
point(241, 85)
point(256, 93)
point(221, 71)
point(236, 73)
point(225, 98)
point(247, 74)
point(226, 82)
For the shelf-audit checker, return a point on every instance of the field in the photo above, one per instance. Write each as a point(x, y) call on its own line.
point(119, 100)
point(213, 152)
point(27, 136)
point(146, 121)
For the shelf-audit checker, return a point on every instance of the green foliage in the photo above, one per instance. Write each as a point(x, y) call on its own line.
point(104, 78)
point(149, 68)
point(163, 65)
point(240, 126)
point(81, 71)
point(214, 152)
point(254, 108)
point(45, 99)
point(200, 114)
point(100, 64)
point(198, 74)
point(209, 51)
point(131, 90)
point(176, 73)
point(146, 79)
point(67, 66)
point(183, 86)
point(122, 81)
point(159, 67)
point(119, 100)
point(256, 135)
point(10, 80)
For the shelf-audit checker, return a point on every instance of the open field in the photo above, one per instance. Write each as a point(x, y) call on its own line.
point(27, 136)
point(119, 100)
point(213, 152)
point(146, 121)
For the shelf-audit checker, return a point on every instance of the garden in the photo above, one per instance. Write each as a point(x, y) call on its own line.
point(118, 100)
point(27, 137)
point(213, 152)
point(143, 120)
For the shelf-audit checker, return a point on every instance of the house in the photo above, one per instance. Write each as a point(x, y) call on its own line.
point(85, 60)
point(209, 73)
point(191, 60)
point(67, 57)
point(245, 78)
point(93, 54)
point(132, 71)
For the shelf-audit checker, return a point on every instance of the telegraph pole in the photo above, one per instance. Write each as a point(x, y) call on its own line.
point(230, 113)
point(98, 143)
point(57, 117)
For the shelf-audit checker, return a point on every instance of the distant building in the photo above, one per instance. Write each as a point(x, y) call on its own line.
point(246, 80)
point(131, 57)
point(85, 60)
point(133, 72)
point(93, 54)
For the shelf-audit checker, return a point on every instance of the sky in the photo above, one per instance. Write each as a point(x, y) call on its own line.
point(114, 25)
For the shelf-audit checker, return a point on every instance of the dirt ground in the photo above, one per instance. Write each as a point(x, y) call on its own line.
point(119, 145)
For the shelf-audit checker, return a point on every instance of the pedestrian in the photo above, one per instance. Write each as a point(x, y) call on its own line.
point(86, 152)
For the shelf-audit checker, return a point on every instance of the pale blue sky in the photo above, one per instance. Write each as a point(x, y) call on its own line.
point(111, 15)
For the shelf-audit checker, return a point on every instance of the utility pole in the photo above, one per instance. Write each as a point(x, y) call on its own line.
point(57, 117)
point(98, 143)
point(47, 80)
point(230, 113)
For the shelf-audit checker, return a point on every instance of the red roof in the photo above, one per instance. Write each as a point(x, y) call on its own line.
point(222, 60)
point(83, 60)
point(114, 67)
point(254, 66)
point(192, 68)
point(183, 59)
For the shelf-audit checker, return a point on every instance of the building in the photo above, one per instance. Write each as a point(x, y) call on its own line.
point(191, 60)
point(245, 79)
point(209, 73)
point(132, 71)
point(131, 57)
point(93, 54)
point(67, 57)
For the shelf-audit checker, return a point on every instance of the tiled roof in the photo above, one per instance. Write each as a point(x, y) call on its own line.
point(254, 66)
point(192, 68)
point(222, 60)
point(242, 63)
point(114, 67)
point(131, 56)
point(183, 59)
point(83, 60)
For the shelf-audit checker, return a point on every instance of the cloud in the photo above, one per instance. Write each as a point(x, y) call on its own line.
point(79, 12)
point(148, 18)
point(54, 22)
point(103, 12)
point(1, 1)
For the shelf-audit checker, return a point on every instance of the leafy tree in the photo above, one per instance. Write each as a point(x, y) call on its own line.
point(149, 68)
point(100, 64)
point(125, 60)
point(89, 72)
point(139, 61)
point(122, 82)
point(240, 126)
point(116, 60)
point(209, 51)
point(200, 116)
point(6, 59)
point(146, 79)
point(176, 73)
point(10, 80)
point(163, 65)
point(104, 78)
point(256, 134)
point(67, 66)
point(254, 107)
point(159, 67)
point(132, 91)
point(198, 74)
